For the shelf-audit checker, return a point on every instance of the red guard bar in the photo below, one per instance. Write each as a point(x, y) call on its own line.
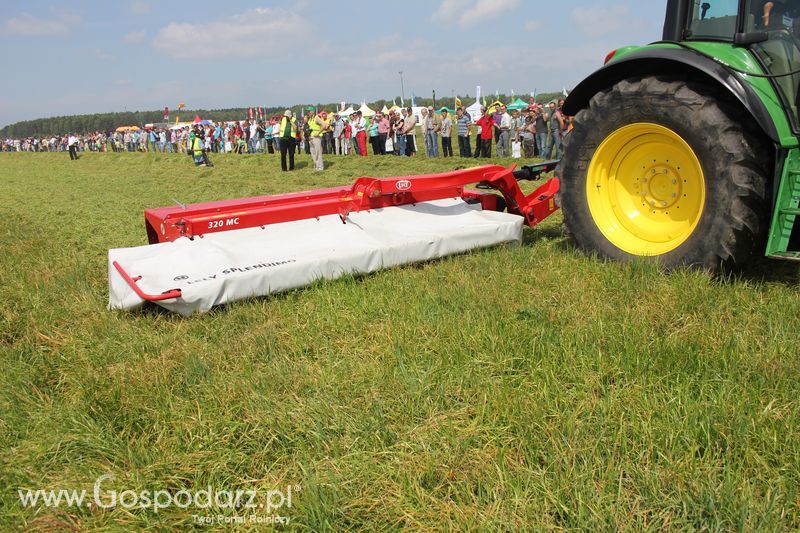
point(168, 295)
point(170, 223)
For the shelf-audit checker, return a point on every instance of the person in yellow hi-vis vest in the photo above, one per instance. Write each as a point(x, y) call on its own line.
point(196, 148)
point(286, 139)
point(315, 126)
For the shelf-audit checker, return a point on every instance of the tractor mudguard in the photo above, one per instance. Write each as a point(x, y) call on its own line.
point(653, 61)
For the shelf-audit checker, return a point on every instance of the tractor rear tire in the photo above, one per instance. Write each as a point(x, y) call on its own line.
point(661, 168)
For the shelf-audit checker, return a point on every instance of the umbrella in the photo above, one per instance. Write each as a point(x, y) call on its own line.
point(127, 128)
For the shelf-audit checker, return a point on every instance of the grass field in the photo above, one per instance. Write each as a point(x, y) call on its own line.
point(526, 387)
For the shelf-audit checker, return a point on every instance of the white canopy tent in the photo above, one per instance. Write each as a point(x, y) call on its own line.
point(366, 111)
point(475, 111)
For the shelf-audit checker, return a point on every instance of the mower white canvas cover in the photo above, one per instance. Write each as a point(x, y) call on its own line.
point(228, 266)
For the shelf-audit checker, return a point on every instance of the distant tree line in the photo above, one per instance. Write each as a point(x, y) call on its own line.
point(110, 121)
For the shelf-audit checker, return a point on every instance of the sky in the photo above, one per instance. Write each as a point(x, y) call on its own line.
point(64, 58)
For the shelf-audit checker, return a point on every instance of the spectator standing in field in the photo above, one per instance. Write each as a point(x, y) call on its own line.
point(196, 148)
point(327, 135)
point(504, 138)
point(338, 134)
point(424, 122)
point(555, 123)
point(528, 137)
point(374, 138)
point(383, 132)
point(486, 123)
point(541, 130)
point(497, 116)
point(361, 134)
point(463, 121)
point(72, 144)
point(478, 138)
point(447, 132)
point(276, 134)
point(400, 132)
point(347, 136)
point(437, 131)
point(411, 124)
point(257, 136)
point(315, 139)
point(353, 126)
point(286, 139)
point(306, 131)
point(517, 125)
point(269, 126)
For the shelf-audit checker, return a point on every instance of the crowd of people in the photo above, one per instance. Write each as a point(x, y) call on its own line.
point(535, 131)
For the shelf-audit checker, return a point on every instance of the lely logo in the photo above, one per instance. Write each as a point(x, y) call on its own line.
point(403, 185)
point(180, 278)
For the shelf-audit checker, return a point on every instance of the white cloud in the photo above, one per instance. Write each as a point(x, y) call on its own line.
point(471, 12)
point(134, 37)
point(26, 24)
point(139, 8)
point(533, 25)
point(247, 34)
point(599, 20)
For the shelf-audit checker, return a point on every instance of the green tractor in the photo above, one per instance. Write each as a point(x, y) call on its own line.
point(686, 150)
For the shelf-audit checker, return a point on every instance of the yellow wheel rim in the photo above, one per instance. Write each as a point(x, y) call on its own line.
point(645, 189)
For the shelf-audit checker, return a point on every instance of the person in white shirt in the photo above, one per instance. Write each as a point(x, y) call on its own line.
point(72, 143)
point(253, 148)
point(359, 127)
point(504, 141)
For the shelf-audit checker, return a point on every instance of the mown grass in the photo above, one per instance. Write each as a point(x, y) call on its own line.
point(516, 388)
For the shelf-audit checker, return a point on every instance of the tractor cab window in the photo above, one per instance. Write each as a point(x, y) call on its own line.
point(714, 19)
point(780, 54)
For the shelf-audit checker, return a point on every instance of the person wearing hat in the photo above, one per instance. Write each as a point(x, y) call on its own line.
point(286, 136)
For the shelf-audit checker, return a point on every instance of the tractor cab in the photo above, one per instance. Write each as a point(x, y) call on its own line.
point(770, 29)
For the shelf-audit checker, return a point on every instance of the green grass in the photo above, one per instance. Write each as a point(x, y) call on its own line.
point(527, 387)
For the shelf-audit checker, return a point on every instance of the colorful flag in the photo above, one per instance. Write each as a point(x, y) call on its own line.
point(458, 102)
point(250, 112)
point(166, 114)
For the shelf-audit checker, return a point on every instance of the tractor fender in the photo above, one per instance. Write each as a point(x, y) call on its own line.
point(686, 64)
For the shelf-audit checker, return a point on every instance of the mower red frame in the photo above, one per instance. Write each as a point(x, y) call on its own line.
point(166, 224)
